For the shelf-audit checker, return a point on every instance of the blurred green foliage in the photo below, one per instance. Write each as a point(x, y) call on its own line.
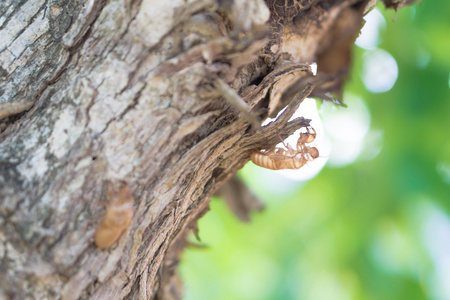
point(374, 229)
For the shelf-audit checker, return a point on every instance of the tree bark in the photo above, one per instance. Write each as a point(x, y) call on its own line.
point(152, 103)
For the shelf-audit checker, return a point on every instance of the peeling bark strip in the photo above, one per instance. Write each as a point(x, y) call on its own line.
point(153, 95)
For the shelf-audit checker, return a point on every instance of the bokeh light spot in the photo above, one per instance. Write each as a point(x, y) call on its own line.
point(380, 71)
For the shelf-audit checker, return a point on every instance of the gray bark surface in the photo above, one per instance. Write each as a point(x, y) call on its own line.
point(163, 97)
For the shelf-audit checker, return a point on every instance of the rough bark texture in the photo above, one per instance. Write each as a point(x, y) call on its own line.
point(158, 96)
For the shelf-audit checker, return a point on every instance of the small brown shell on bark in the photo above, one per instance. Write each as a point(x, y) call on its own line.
point(119, 213)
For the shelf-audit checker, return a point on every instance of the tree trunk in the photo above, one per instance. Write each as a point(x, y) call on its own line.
point(119, 119)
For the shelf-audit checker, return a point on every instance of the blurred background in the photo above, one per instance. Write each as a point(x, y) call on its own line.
point(370, 218)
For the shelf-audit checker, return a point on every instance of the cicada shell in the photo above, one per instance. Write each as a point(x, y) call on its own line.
point(119, 213)
point(279, 159)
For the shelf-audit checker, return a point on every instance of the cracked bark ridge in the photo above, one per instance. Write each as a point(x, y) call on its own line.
point(96, 93)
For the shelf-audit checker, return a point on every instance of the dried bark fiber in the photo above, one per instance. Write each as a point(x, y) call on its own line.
point(155, 95)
